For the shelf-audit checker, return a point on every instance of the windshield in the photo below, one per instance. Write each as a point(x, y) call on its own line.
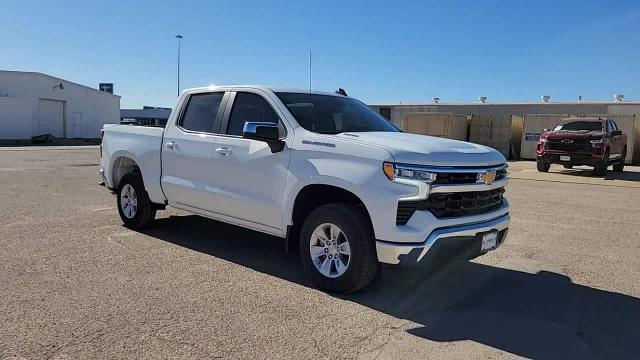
point(327, 114)
point(580, 125)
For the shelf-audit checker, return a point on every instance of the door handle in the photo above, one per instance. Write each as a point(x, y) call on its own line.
point(223, 151)
point(172, 145)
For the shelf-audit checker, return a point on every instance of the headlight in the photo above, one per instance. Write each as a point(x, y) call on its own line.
point(597, 141)
point(395, 171)
point(543, 139)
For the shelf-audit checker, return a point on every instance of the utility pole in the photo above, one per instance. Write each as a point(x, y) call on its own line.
point(309, 71)
point(179, 37)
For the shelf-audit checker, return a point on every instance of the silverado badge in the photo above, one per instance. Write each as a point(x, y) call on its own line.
point(488, 177)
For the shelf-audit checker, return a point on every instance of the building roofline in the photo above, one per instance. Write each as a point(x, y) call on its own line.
point(61, 79)
point(513, 103)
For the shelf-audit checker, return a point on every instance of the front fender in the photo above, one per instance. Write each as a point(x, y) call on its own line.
point(361, 176)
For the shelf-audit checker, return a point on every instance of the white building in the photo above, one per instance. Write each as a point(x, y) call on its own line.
point(33, 104)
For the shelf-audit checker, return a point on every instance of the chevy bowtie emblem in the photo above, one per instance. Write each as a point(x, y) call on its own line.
point(567, 141)
point(488, 177)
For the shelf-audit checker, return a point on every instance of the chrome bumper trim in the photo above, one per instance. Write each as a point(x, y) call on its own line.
point(390, 253)
point(453, 169)
point(469, 187)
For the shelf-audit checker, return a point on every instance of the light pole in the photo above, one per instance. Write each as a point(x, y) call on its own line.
point(179, 37)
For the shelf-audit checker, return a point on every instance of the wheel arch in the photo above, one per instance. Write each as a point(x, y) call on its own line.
point(121, 165)
point(311, 197)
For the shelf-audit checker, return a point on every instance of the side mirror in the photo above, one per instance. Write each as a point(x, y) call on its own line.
point(545, 130)
point(264, 131)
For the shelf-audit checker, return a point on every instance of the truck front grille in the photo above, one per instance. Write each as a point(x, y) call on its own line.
point(578, 145)
point(444, 178)
point(446, 205)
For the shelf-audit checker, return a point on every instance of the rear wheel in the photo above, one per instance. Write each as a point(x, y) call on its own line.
point(600, 169)
point(619, 166)
point(134, 206)
point(542, 166)
point(337, 248)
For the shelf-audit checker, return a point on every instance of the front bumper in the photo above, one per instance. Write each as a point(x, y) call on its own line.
point(462, 240)
point(576, 158)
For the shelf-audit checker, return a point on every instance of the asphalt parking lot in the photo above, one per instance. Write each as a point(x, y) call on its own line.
point(74, 283)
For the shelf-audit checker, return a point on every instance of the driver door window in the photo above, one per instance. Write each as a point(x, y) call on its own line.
point(249, 107)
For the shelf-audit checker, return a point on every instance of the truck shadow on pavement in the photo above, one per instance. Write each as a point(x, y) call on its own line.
point(611, 175)
point(538, 316)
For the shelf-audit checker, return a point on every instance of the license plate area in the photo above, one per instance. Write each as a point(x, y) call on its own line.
point(489, 240)
point(565, 158)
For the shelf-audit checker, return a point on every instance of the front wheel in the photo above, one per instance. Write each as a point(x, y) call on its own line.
point(337, 248)
point(600, 169)
point(542, 166)
point(134, 206)
point(619, 166)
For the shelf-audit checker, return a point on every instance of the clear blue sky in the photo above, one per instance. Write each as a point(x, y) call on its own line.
point(379, 51)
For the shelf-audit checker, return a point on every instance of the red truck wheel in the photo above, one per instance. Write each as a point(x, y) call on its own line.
point(542, 166)
point(619, 166)
point(600, 169)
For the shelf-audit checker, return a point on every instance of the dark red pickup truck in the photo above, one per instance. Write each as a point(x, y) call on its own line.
point(594, 142)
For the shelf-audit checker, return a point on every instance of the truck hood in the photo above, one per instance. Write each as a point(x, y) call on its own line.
point(574, 135)
point(429, 150)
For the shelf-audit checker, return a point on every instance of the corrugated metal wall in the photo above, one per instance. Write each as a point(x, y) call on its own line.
point(452, 126)
point(398, 112)
point(492, 130)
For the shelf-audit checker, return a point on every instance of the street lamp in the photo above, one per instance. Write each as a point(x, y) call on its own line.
point(179, 37)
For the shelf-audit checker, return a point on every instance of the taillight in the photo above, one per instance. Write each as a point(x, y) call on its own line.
point(101, 138)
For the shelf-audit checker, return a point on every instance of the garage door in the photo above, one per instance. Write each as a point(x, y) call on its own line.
point(50, 118)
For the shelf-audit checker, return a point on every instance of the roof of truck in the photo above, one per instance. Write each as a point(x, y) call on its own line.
point(585, 119)
point(264, 88)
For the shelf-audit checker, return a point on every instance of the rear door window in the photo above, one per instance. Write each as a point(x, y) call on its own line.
point(615, 126)
point(201, 113)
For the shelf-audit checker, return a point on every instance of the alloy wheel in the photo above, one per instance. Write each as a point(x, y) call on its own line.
point(129, 201)
point(330, 250)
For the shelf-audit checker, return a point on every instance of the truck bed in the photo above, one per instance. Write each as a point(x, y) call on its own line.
point(143, 145)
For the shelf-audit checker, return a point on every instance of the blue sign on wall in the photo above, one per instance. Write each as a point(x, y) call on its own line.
point(106, 87)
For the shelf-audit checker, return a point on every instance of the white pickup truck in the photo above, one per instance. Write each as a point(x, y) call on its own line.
point(339, 182)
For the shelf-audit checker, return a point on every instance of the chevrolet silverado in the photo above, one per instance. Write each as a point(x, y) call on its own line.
point(341, 184)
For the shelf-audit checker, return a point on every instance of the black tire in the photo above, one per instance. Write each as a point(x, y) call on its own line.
point(363, 265)
point(600, 169)
point(619, 166)
point(144, 212)
point(542, 166)
point(568, 166)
